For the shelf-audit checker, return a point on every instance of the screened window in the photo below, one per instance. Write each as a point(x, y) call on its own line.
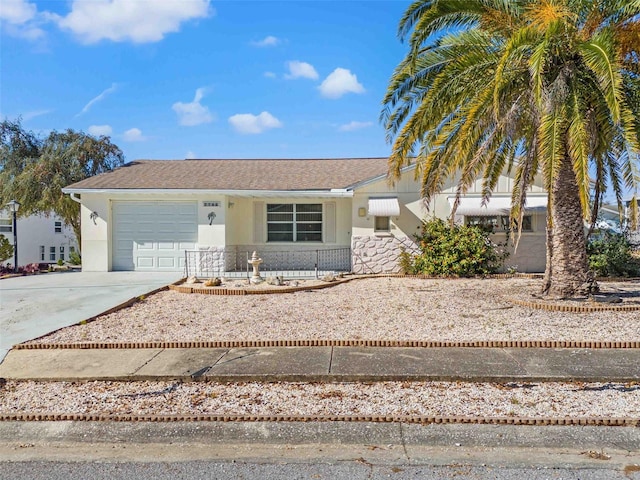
point(52, 254)
point(42, 253)
point(294, 222)
point(58, 227)
point(61, 252)
point(498, 222)
point(382, 224)
point(6, 225)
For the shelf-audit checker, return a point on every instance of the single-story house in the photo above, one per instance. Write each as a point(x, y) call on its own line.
point(146, 214)
point(41, 238)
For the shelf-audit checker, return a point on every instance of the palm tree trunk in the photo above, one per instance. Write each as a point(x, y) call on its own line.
point(548, 272)
point(568, 270)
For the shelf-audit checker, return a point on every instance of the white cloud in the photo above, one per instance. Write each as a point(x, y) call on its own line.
point(193, 113)
point(269, 74)
point(19, 18)
point(36, 113)
point(130, 20)
point(251, 124)
point(100, 130)
point(268, 41)
point(190, 155)
point(94, 100)
point(133, 135)
point(17, 12)
point(351, 126)
point(300, 70)
point(339, 82)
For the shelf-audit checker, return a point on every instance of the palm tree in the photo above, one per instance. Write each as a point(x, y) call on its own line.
point(548, 87)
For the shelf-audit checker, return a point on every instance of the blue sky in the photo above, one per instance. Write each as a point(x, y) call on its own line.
point(174, 79)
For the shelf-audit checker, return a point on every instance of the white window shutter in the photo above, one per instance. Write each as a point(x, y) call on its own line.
point(258, 222)
point(330, 222)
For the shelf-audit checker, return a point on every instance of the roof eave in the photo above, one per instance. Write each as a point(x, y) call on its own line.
point(333, 193)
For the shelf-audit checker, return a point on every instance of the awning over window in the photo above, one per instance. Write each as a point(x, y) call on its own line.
point(384, 207)
point(472, 206)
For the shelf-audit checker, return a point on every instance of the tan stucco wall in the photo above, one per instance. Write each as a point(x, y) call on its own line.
point(232, 226)
point(241, 222)
point(529, 257)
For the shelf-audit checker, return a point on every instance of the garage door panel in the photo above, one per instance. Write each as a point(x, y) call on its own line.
point(145, 262)
point(187, 209)
point(144, 246)
point(153, 235)
point(167, 262)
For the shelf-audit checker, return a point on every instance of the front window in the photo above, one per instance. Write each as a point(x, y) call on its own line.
point(61, 252)
point(294, 222)
point(42, 253)
point(52, 254)
point(382, 224)
point(495, 223)
point(58, 227)
point(6, 225)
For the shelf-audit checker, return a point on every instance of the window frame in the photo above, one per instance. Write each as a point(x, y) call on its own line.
point(52, 254)
point(500, 223)
point(381, 230)
point(42, 253)
point(6, 225)
point(57, 227)
point(294, 222)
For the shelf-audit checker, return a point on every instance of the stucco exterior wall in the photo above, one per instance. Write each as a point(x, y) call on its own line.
point(36, 231)
point(230, 229)
point(378, 252)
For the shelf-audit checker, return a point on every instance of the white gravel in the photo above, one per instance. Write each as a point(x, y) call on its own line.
point(370, 309)
point(557, 400)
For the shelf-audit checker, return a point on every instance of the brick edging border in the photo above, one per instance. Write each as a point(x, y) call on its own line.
point(552, 307)
point(425, 420)
point(195, 288)
point(332, 343)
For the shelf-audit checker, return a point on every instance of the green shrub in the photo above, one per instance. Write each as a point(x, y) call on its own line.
point(457, 250)
point(611, 256)
point(60, 262)
point(74, 258)
point(6, 249)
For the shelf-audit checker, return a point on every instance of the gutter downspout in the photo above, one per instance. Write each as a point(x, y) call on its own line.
point(73, 197)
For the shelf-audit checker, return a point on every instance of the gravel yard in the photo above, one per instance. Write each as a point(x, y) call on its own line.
point(375, 308)
point(364, 309)
point(555, 400)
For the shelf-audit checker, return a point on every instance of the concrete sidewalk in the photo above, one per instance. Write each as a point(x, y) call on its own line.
point(325, 364)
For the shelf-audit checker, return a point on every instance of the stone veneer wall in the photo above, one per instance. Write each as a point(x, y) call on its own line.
point(379, 254)
point(210, 261)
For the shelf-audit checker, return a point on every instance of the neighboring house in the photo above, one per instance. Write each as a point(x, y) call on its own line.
point(41, 239)
point(146, 214)
point(610, 220)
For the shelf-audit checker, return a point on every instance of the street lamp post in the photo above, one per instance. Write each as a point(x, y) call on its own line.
point(14, 206)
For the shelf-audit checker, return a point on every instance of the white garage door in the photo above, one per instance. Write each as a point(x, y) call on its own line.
point(153, 235)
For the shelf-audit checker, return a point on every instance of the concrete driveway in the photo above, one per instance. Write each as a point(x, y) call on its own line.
point(34, 305)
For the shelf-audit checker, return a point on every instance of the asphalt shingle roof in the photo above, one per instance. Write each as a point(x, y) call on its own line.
point(303, 174)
